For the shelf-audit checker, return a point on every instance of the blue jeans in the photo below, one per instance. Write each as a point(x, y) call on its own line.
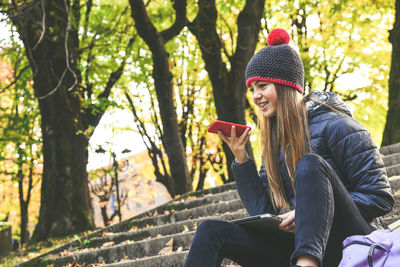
point(325, 216)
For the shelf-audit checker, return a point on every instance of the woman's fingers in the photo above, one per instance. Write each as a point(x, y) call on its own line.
point(235, 142)
point(237, 145)
point(288, 227)
point(242, 139)
point(245, 136)
point(223, 137)
point(288, 223)
point(233, 133)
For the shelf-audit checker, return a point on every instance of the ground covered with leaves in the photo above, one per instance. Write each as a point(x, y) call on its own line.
point(34, 250)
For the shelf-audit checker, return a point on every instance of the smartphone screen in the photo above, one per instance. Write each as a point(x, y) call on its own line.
point(225, 128)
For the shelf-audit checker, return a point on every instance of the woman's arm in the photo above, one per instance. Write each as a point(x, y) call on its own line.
point(252, 188)
point(355, 153)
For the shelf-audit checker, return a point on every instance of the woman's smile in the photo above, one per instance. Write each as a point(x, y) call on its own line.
point(265, 97)
point(263, 105)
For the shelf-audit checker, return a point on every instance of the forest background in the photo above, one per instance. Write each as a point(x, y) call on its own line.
point(176, 66)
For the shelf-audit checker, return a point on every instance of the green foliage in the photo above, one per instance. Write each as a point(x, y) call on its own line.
point(20, 142)
point(4, 226)
point(82, 243)
point(106, 30)
point(131, 223)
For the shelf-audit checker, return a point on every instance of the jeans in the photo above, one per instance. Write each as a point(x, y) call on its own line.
point(325, 216)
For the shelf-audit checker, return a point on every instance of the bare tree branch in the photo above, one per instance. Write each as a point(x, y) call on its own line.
point(180, 21)
point(16, 78)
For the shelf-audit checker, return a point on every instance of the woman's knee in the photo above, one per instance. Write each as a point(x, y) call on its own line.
point(310, 163)
point(210, 228)
point(310, 167)
point(310, 159)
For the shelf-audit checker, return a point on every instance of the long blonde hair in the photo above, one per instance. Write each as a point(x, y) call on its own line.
point(287, 131)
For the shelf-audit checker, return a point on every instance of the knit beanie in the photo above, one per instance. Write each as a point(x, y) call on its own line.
point(277, 63)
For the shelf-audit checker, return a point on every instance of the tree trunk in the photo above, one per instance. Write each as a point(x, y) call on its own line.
point(391, 133)
point(164, 89)
point(24, 204)
point(104, 214)
point(229, 87)
point(65, 202)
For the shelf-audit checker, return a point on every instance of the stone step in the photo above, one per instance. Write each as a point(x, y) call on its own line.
point(158, 231)
point(393, 170)
point(173, 260)
point(390, 219)
point(391, 159)
point(201, 211)
point(129, 250)
point(198, 194)
point(226, 192)
point(395, 183)
point(396, 207)
point(183, 204)
point(202, 197)
point(390, 149)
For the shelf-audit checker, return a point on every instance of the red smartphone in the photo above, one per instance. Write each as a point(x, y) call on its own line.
point(225, 128)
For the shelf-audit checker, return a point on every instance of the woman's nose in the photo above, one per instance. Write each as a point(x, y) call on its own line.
point(256, 94)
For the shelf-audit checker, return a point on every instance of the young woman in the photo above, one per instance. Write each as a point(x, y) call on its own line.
point(318, 162)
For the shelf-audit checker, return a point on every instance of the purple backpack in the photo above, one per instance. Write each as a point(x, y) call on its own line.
point(378, 249)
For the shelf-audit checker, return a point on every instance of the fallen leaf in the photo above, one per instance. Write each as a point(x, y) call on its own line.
point(168, 249)
point(108, 244)
point(75, 263)
point(134, 228)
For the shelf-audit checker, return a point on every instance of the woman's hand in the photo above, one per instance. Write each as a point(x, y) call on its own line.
point(237, 145)
point(287, 224)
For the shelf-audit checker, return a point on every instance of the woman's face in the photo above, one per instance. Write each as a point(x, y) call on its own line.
point(265, 97)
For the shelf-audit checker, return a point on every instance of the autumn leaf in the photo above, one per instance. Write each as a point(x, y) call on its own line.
point(108, 244)
point(168, 249)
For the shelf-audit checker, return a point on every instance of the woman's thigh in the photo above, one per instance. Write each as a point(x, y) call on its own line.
point(216, 240)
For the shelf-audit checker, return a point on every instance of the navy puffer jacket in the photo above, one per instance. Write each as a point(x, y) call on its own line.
point(345, 144)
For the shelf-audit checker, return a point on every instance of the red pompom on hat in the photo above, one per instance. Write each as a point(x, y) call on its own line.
point(278, 37)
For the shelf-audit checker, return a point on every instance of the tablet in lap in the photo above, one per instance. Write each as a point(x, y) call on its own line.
point(263, 223)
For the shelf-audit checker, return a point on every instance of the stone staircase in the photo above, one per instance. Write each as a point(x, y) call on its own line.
point(162, 236)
